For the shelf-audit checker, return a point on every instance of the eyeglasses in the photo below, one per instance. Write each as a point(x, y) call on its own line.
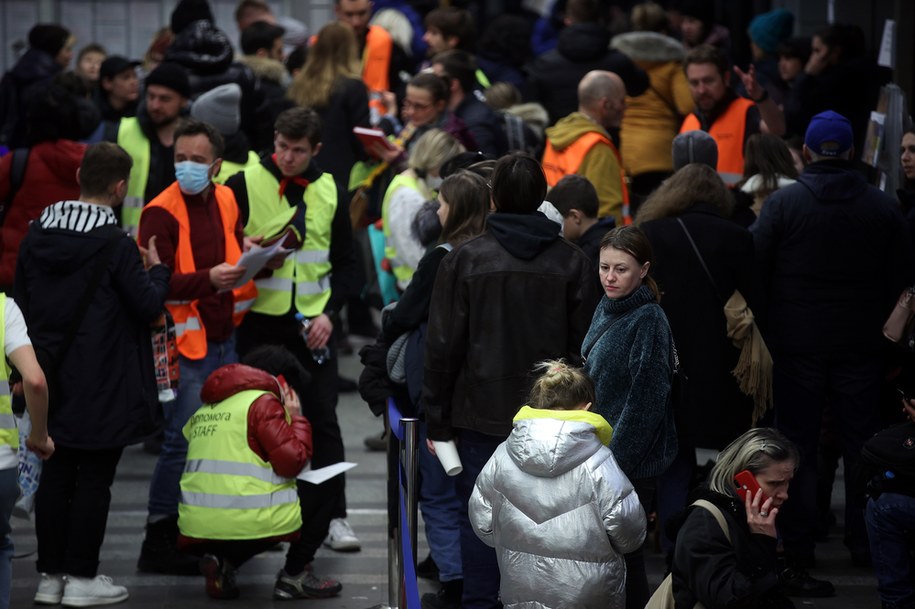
point(409, 105)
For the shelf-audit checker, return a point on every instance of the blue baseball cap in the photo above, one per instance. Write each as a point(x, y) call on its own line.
point(829, 134)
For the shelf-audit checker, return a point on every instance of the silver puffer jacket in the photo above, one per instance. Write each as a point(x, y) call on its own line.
point(559, 511)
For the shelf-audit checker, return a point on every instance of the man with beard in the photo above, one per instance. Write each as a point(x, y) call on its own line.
point(149, 139)
point(728, 118)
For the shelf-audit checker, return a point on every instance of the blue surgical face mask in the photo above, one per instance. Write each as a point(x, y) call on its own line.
point(192, 177)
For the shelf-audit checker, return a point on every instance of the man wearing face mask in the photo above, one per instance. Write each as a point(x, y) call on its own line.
point(199, 233)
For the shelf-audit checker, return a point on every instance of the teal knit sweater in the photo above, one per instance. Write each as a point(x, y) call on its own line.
point(628, 351)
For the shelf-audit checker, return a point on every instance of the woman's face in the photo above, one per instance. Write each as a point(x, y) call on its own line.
point(774, 480)
point(908, 156)
point(620, 273)
point(420, 108)
point(443, 209)
point(89, 65)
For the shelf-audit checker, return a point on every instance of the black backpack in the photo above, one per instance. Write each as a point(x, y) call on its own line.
point(888, 461)
point(20, 158)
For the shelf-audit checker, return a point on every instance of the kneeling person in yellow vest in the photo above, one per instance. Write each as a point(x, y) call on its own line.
point(246, 444)
point(199, 237)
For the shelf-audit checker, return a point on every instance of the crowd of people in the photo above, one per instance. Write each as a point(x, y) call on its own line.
point(603, 245)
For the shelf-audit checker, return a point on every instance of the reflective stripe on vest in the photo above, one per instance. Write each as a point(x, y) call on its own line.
point(401, 270)
point(729, 132)
point(229, 168)
point(227, 490)
point(9, 432)
point(191, 335)
point(309, 270)
point(132, 139)
point(560, 163)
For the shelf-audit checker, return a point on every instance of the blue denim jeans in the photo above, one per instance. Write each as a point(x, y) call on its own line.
point(478, 560)
point(163, 488)
point(889, 518)
point(9, 492)
point(441, 512)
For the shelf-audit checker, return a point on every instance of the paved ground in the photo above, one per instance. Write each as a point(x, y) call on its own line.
point(364, 574)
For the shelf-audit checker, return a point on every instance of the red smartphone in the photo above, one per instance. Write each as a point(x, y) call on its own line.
point(746, 482)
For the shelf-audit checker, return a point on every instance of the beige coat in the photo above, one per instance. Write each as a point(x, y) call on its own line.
point(653, 119)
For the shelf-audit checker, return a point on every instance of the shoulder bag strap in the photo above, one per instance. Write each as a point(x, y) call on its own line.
point(701, 259)
point(716, 512)
point(83, 307)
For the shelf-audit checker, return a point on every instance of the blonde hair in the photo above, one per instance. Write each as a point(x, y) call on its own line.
point(693, 184)
point(432, 149)
point(649, 17)
point(334, 55)
point(560, 386)
point(755, 450)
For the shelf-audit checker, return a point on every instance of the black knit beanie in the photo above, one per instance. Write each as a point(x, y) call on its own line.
point(48, 37)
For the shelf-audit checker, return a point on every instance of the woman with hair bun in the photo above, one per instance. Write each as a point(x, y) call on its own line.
point(556, 470)
point(629, 353)
point(737, 568)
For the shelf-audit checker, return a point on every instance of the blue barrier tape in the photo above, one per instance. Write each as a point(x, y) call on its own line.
point(394, 418)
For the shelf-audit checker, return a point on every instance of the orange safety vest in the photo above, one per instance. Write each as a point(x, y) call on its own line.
point(192, 338)
point(376, 59)
point(728, 131)
point(558, 164)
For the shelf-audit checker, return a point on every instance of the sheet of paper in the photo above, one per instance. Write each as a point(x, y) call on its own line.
point(322, 474)
point(255, 258)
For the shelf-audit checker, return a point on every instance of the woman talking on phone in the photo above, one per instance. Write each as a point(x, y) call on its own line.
point(749, 484)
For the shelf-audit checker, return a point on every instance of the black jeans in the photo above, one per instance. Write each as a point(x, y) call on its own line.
point(322, 502)
point(802, 385)
point(71, 509)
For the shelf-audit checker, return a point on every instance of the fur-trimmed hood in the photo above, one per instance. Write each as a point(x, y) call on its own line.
point(266, 68)
point(648, 46)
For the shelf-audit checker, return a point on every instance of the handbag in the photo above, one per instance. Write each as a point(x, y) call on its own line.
point(663, 597)
point(899, 327)
point(754, 366)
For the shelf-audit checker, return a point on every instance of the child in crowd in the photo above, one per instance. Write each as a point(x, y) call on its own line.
point(575, 197)
point(554, 503)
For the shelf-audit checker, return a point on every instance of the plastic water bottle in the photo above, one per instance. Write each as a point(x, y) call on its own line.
point(320, 355)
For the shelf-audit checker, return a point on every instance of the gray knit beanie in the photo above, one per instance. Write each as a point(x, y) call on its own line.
point(220, 107)
point(694, 147)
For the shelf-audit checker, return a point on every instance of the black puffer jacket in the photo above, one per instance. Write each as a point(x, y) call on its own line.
point(32, 72)
point(502, 301)
point(740, 573)
point(834, 253)
point(107, 387)
point(207, 55)
point(582, 47)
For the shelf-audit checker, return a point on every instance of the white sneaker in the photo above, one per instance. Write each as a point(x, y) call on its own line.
point(50, 589)
point(340, 537)
point(89, 592)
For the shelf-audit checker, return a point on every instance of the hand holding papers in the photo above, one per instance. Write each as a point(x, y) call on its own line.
point(257, 258)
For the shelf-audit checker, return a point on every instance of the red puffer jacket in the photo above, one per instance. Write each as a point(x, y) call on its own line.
point(50, 176)
point(287, 447)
